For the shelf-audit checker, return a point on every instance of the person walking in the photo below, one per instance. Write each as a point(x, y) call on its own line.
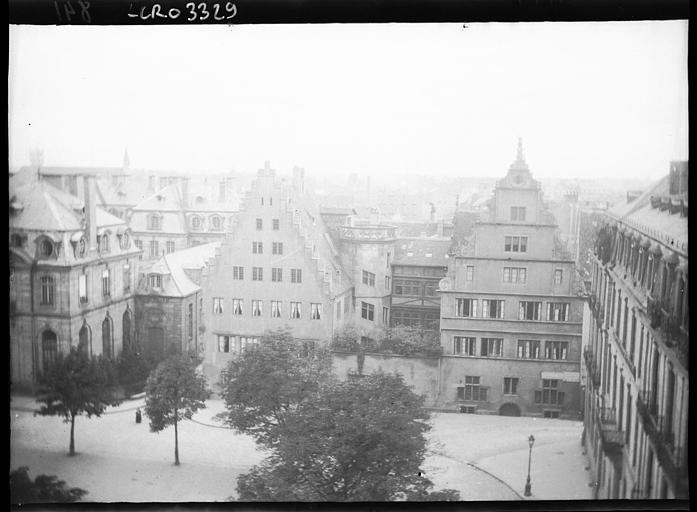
point(139, 416)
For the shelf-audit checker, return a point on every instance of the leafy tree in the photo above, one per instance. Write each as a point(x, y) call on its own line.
point(76, 384)
point(267, 382)
point(43, 489)
point(356, 440)
point(133, 369)
point(174, 391)
point(411, 341)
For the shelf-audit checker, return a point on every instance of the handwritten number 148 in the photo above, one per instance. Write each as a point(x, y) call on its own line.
point(66, 12)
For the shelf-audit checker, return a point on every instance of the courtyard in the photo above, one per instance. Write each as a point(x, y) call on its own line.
point(118, 460)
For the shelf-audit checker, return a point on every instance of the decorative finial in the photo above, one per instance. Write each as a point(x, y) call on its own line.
point(126, 159)
point(520, 157)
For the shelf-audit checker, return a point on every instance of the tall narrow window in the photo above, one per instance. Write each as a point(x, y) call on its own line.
point(529, 310)
point(556, 349)
point(256, 307)
point(275, 309)
point(518, 213)
point(126, 278)
point(558, 311)
point(257, 274)
point(529, 349)
point(48, 290)
point(296, 275)
point(190, 320)
point(295, 310)
point(217, 305)
point(260, 224)
point(367, 311)
point(257, 248)
point(558, 275)
point(316, 311)
point(85, 341)
point(107, 338)
point(238, 273)
point(106, 282)
point(368, 278)
point(170, 247)
point(49, 349)
point(154, 248)
point(276, 224)
point(277, 275)
point(277, 248)
point(492, 308)
point(82, 288)
point(237, 306)
point(469, 273)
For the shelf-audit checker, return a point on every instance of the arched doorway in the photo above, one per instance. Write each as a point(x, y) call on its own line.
point(126, 325)
point(85, 340)
point(509, 410)
point(49, 349)
point(107, 338)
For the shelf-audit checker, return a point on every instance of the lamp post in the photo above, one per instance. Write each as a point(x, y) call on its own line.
point(531, 441)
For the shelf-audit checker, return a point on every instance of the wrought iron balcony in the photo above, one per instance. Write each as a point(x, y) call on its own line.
point(612, 437)
point(669, 326)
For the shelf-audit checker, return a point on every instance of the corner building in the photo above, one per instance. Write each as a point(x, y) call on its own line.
point(277, 269)
point(637, 360)
point(511, 319)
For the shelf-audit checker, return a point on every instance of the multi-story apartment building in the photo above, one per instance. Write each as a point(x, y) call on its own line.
point(418, 267)
point(510, 316)
point(169, 301)
point(637, 393)
point(72, 276)
point(277, 269)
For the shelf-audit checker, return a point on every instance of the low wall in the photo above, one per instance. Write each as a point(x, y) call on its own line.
point(421, 373)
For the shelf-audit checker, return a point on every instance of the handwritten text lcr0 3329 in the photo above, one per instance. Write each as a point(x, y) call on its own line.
point(201, 11)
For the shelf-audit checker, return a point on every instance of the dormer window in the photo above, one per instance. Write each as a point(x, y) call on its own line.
point(155, 280)
point(196, 223)
point(154, 222)
point(216, 223)
point(104, 243)
point(46, 248)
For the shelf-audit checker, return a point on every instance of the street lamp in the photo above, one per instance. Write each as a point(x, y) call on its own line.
point(531, 441)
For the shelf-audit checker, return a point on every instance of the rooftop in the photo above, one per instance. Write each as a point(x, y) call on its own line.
point(431, 251)
point(175, 265)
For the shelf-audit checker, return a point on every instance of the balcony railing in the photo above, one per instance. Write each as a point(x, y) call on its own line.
point(368, 233)
point(612, 437)
point(674, 334)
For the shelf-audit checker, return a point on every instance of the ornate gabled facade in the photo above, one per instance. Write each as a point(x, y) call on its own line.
point(637, 396)
point(511, 317)
point(72, 277)
point(277, 269)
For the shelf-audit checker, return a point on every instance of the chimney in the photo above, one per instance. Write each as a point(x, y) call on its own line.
point(90, 211)
point(185, 192)
point(151, 183)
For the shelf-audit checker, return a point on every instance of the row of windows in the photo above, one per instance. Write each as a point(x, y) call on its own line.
point(236, 344)
point(412, 287)
point(473, 391)
point(154, 247)
point(368, 313)
point(276, 248)
point(275, 224)
point(515, 244)
point(493, 347)
point(276, 308)
point(515, 274)
point(527, 310)
point(48, 286)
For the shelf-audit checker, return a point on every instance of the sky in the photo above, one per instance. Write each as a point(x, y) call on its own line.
point(590, 100)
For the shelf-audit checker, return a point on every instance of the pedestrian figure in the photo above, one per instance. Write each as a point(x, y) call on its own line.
point(139, 416)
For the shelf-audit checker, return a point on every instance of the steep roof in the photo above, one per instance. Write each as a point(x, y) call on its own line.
point(175, 265)
point(39, 206)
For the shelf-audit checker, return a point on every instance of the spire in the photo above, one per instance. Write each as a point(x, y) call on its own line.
point(126, 160)
point(519, 156)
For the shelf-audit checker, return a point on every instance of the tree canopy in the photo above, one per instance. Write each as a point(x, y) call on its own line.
point(76, 384)
point(356, 440)
point(266, 383)
point(43, 489)
point(174, 391)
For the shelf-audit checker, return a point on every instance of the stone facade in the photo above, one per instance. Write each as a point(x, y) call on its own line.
point(511, 319)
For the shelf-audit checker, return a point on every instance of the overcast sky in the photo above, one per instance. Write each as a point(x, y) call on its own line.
point(590, 100)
